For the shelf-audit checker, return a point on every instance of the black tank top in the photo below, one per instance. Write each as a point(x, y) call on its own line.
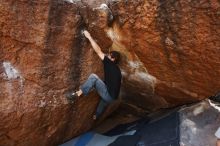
point(112, 77)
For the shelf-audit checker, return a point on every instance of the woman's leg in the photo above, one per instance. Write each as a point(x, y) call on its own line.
point(95, 82)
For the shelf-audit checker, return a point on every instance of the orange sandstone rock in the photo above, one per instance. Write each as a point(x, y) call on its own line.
point(170, 56)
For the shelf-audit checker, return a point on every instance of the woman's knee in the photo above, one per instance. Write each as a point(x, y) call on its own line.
point(93, 76)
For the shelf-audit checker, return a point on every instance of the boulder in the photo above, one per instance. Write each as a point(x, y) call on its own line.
point(169, 57)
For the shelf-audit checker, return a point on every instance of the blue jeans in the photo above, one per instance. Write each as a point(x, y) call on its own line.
point(95, 82)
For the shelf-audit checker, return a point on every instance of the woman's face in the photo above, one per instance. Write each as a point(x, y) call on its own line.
point(110, 57)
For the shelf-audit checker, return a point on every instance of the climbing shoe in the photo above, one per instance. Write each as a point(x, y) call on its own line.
point(71, 95)
point(94, 117)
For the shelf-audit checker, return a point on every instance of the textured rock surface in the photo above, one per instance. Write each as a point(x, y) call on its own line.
point(177, 41)
point(199, 123)
point(169, 57)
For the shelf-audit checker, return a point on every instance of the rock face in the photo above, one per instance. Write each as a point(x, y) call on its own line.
point(176, 42)
point(198, 124)
point(170, 56)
